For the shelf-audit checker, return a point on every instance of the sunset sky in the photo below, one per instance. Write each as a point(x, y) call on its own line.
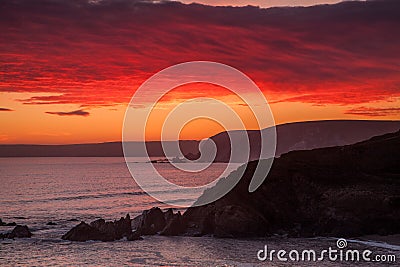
point(69, 68)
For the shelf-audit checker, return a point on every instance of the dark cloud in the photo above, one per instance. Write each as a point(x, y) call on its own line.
point(78, 112)
point(6, 109)
point(378, 112)
point(99, 53)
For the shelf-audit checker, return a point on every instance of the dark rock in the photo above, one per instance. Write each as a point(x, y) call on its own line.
point(135, 222)
point(151, 222)
point(175, 224)
point(113, 230)
point(200, 221)
point(51, 223)
point(233, 221)
point(106, 229)
point(134, 236)
point(84, 232)
point(101, 230)
point(337, 191)
point(123, 227)
point(20, 231)
point(155, 221)
point(168, 214)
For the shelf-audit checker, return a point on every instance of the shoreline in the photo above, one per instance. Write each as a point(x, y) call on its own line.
point(390, 242)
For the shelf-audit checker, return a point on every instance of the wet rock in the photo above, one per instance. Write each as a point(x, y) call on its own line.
point(168, 214)
point(102, 230)
point(200, 221)
point(113, 230)
point(123, 227)
point(151, 222)
point(20, 231)
point(134, 236)
point(51, 223)
point(175, 224)
point(106, 229)
point(155, 221)
point(225, 221)
point(135, 222)
point(84, 232)
point(237, 221)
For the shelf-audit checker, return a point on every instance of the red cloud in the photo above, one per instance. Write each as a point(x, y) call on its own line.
point(98, 54)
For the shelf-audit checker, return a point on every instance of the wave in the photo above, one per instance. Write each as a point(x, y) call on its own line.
point(375, 244)
point(79, 197)
point(96, 196)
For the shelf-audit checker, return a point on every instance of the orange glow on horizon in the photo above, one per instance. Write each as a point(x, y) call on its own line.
point(29, 124)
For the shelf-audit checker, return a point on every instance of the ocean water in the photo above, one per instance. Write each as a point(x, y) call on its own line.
point(34, 191)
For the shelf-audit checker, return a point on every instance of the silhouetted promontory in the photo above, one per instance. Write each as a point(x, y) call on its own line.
point(340, 191)
point(301, 136)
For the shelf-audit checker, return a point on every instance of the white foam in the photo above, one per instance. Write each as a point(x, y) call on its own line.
point(375, 244)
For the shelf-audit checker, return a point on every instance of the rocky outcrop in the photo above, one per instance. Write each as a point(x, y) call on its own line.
point(20, 231)
point(155, 221)
point(151, 221)
point(114, 230)
point(175, 225)
point(102, 231)
point(340, 191)
point(84, 232)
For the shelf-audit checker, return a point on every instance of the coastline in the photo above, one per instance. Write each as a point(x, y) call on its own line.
point(163, 250)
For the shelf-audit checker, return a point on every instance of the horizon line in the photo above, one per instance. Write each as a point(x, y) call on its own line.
point(195, 140)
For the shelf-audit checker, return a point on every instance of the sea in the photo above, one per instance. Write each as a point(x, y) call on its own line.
point(66, 191)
